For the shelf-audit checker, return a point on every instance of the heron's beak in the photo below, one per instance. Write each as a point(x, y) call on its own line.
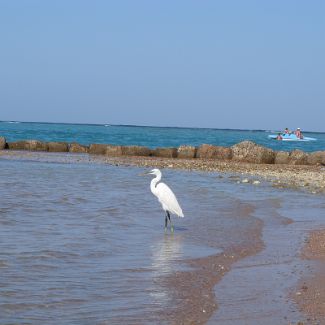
point(143, 174)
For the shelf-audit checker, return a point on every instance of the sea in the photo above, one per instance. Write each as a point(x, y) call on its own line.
point(83, 242)
point(151, 137)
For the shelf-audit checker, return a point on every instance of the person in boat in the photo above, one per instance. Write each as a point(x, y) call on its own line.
point(279, 136)
point(299, 134)
point(287, 131)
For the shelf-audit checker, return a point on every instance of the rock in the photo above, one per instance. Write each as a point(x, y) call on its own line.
point(214, 152)
point(187, 152)
point(135, 151)
point(282, 157)
point(113, 151)
point(2, 143)
point(316, 158)
point(78, 148)
point(58, 147)
point(35, 145)
point(165, 152)
point(245, 180)
point(298, 157)
point(249, 151)
point(17, 145)
point(97, 149)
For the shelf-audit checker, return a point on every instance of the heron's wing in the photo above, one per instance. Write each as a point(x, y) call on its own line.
point(168, 199)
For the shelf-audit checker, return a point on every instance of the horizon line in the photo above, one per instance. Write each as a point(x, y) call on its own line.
point(150, 126)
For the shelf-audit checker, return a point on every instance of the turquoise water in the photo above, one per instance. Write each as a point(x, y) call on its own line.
point(149, 136)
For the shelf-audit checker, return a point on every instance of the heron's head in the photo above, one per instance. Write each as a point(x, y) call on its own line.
point(154, 171)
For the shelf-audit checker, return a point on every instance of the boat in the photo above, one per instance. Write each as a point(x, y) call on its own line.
point(290, 137)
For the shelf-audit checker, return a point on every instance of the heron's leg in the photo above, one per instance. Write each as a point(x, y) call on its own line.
point(166, 222)
point(170, 221)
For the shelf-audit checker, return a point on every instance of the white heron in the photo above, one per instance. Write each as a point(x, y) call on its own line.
point(166, 197)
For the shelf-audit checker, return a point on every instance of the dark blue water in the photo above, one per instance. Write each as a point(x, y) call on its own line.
point(149, 136)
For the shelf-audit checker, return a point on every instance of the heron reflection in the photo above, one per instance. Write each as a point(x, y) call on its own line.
point(165, 253)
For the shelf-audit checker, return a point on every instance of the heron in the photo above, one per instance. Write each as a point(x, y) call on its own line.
point(166, 197)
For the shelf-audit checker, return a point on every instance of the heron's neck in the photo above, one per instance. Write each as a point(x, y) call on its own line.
point(154, 182)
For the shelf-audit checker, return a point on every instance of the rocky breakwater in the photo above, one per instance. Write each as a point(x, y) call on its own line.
point(32, 145)
point(243, 152)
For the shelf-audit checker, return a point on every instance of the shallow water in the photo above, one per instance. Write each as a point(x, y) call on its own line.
point(85, 243)
point(257, 289)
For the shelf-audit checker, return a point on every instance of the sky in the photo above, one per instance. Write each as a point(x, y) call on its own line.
point(219, 64)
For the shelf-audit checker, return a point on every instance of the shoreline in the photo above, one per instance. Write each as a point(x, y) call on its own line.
point(194, 289)
point(297, 177)
point(310, 292)
point(310, 178)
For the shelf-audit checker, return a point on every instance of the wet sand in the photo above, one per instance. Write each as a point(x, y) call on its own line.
point(194, 290)
point(310, 293)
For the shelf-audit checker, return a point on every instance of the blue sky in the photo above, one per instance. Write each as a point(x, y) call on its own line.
point(223, 64)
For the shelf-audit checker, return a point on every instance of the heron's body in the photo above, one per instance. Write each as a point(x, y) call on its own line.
point(165, 196)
